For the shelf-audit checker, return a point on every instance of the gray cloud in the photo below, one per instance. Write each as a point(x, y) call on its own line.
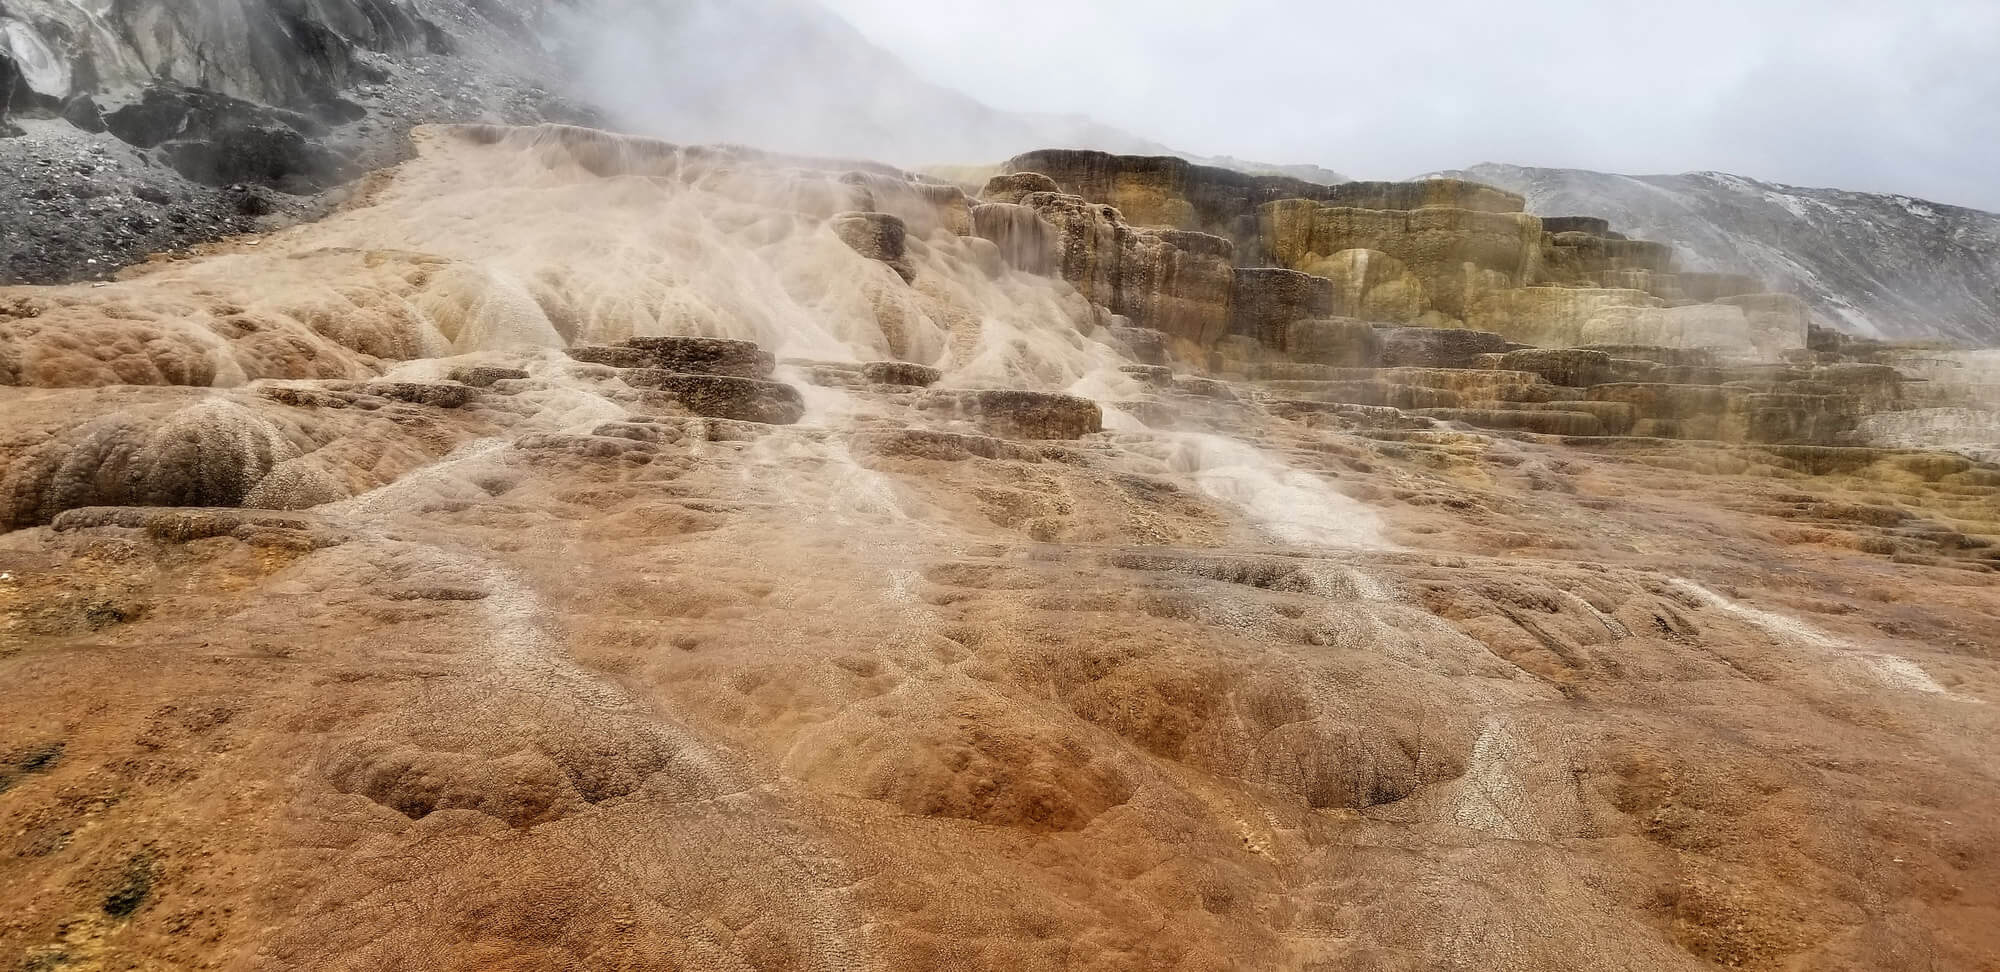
point(1859, 95)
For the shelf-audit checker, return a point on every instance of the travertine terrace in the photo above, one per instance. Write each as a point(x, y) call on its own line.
point(587, 552)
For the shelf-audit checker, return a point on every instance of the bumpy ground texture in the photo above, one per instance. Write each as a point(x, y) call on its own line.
point(588, 553)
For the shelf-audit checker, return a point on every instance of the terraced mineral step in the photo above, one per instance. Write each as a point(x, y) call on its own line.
point(842, 374)
point(724, 396)
point(1019, 414)
point(1546, 423)
point(692, 355)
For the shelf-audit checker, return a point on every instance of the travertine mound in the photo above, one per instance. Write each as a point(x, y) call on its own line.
point(213, 453)
point(675, 586)
point(1438, 252)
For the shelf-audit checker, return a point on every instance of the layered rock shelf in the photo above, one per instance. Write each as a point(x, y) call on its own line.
point(1271, 279)
point(1438, 252)
point(706, 376)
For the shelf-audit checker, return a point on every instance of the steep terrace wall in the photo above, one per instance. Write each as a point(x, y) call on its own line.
point(1166, 191)
point(1455, 253)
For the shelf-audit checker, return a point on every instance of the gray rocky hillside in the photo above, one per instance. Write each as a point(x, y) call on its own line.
point(1875, 265)
point(153, 126)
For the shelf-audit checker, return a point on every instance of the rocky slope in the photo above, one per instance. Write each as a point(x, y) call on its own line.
point(581, 551)
point(147, 127)
point(142, 128)
point(1873, 265)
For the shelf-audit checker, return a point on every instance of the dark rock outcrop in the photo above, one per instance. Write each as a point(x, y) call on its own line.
point(1019, 414)
point(877, 236)
point(83, 113)
point(296, 53)
point(198, 96)
point(900, 373)
point(724, 396)
point(486, 376)
point(1164, 191)
point(1013, 187)
point(692, 355)
point(1172, 281)
point(17, 95)
point(1264, 301)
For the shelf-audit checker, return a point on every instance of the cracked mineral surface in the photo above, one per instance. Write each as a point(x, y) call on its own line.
point(580, 551)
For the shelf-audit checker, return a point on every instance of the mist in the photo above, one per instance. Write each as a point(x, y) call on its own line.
point(792, 76)
point(1845, 94)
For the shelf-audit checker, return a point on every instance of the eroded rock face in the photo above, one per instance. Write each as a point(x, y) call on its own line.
point(692, 355)
point(216, 140)
point(294, 54)
point(723, 396)
point(1264, 302)
point(1438, 252)
point(1456, 253)
point(1585, 258)
point(1013, 187)
point(1438, 347)
point(1168, 280)
point(1373, 286)
point(1551, 316)
point(1025, 241)
point(12, 88)
point(1165, 191)
point(1593, 225)
point(1774, 323)
point(877, 236)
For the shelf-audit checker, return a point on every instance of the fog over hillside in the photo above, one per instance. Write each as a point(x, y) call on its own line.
point(1883, 98)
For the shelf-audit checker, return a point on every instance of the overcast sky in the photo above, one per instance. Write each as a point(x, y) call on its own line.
point(1884, 95)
